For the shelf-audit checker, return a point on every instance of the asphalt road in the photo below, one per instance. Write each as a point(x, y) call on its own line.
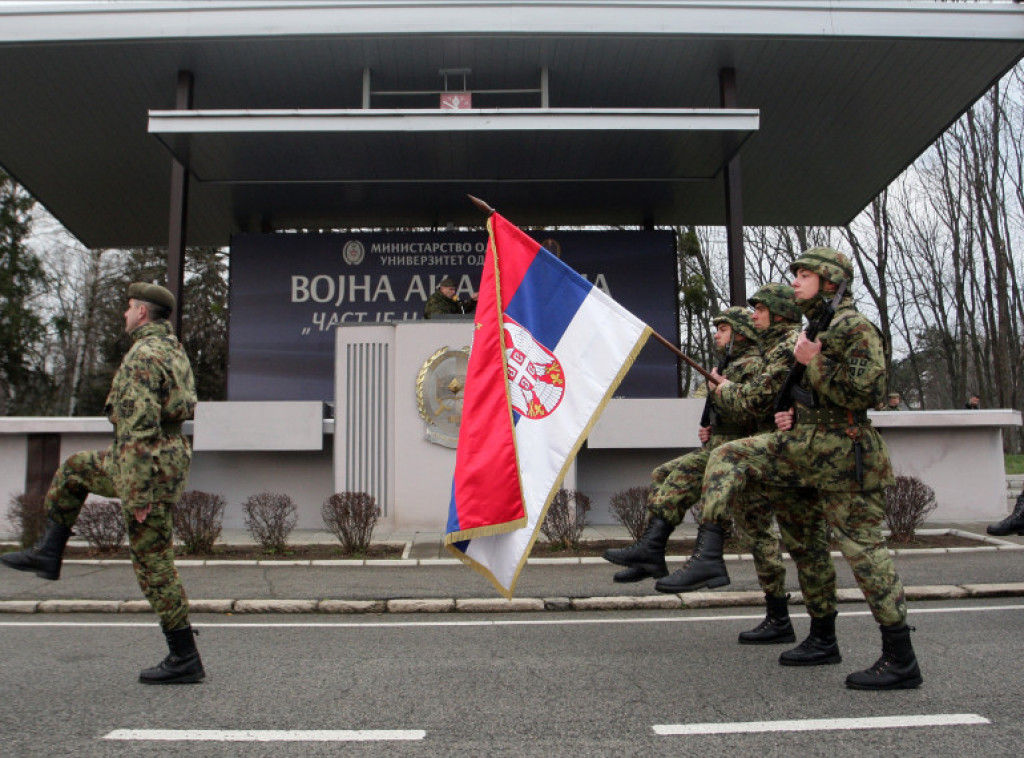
point(548, 684)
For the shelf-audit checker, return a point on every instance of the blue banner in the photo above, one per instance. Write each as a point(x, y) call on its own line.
point(289, 292)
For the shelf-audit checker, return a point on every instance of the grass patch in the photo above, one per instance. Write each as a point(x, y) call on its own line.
point(1014, 464)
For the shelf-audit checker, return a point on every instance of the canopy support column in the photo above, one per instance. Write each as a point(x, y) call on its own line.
point(733, 202)
point(178, 217)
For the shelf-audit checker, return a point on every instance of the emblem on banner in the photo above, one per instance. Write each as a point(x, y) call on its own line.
point(353, 252)
point(536, 381)
point(439, 394)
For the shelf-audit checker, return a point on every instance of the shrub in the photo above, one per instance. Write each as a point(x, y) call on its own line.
point(198, 520)
point(351, 517)
point(270, 518)
point(101, 523)
point(28, 516)
point(565, 519)
point(908, 504)
point(629, 507)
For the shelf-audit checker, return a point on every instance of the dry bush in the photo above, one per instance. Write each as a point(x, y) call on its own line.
point(101, 523)
point(198, 520)
point(629, 507)
point(907, 504)
point(351, 517)
point(28, 516)
point(566, 517)
point(270, 518)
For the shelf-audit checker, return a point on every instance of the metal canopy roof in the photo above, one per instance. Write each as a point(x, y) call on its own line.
point(835, 99)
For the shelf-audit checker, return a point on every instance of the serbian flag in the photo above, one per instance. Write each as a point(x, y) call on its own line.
point(548, 351)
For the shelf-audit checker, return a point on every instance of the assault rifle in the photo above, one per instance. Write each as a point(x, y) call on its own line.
point(791, 389)
point(709, 409)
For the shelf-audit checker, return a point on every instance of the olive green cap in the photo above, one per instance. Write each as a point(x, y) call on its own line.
point(780, 300)
point(447, 282)
point(829, 264)
point(739, 319)
point(151, 293)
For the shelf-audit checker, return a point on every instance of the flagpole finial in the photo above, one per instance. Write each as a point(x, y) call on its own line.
point(482, 205)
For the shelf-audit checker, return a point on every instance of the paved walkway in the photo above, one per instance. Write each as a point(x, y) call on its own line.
point(428, 580)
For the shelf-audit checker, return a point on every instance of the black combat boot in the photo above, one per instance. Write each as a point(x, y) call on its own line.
point(705, 568)
point(646, 555)
point(776, 628)
point(47, 555)
point(182, 666)
point(819, 648)
point(1012, 524)
point(897, 668)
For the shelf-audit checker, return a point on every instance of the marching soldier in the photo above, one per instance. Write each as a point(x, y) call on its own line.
point(777, 319)
point(826, 442)
point(676, 484)
point(146, 467)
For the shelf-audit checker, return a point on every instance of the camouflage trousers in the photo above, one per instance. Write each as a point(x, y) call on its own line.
point(150, 543)
point(753, 513)
point(855, 519)
point(675, 486)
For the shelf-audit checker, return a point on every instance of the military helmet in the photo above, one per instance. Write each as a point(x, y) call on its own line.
point(779, 299)
point(829, 264)
point(739, 319)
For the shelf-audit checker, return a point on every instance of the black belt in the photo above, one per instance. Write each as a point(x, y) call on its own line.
point(829, 416)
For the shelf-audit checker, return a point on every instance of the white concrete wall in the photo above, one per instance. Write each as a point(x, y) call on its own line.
point(13, 457)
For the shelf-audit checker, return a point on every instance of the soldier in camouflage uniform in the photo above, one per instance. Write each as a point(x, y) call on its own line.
point(828, 443)
point(777, 319)
point(675, 485)
point(146, 467)
point(444, 301)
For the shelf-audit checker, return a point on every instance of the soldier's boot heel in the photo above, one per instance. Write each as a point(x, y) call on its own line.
point(46, 557)
point(635, 574)
point(897, 669)
point(820, 648)
point(776, 629)
point(705, 569)
point(182, 665)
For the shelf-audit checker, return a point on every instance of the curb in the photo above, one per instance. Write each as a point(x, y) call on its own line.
point(335, 606)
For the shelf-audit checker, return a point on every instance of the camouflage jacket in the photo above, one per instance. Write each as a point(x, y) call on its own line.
point(732, 423)
point(848, 377)
point(152, 393)
point(755, 398)
point(439, 305)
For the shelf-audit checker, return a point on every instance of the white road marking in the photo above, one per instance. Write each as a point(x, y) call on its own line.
point(266, 735)
point(822, 725)
point(399, 623)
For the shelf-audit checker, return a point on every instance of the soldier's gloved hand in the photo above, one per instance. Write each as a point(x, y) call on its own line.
point(141, 513)
point(805, 349)
point(784, 420)
point(704, 434)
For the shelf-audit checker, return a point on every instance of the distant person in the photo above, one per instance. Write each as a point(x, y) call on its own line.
point(444, 302)
point(893, 402)
point(973, 403)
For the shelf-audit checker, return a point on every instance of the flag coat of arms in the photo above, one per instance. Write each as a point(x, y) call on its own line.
point(549, 349)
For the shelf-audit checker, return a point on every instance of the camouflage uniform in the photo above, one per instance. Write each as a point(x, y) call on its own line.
point(151, 395)
point(675, 485)
point(438, 304)
point(847, 378)
point(754, 511)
